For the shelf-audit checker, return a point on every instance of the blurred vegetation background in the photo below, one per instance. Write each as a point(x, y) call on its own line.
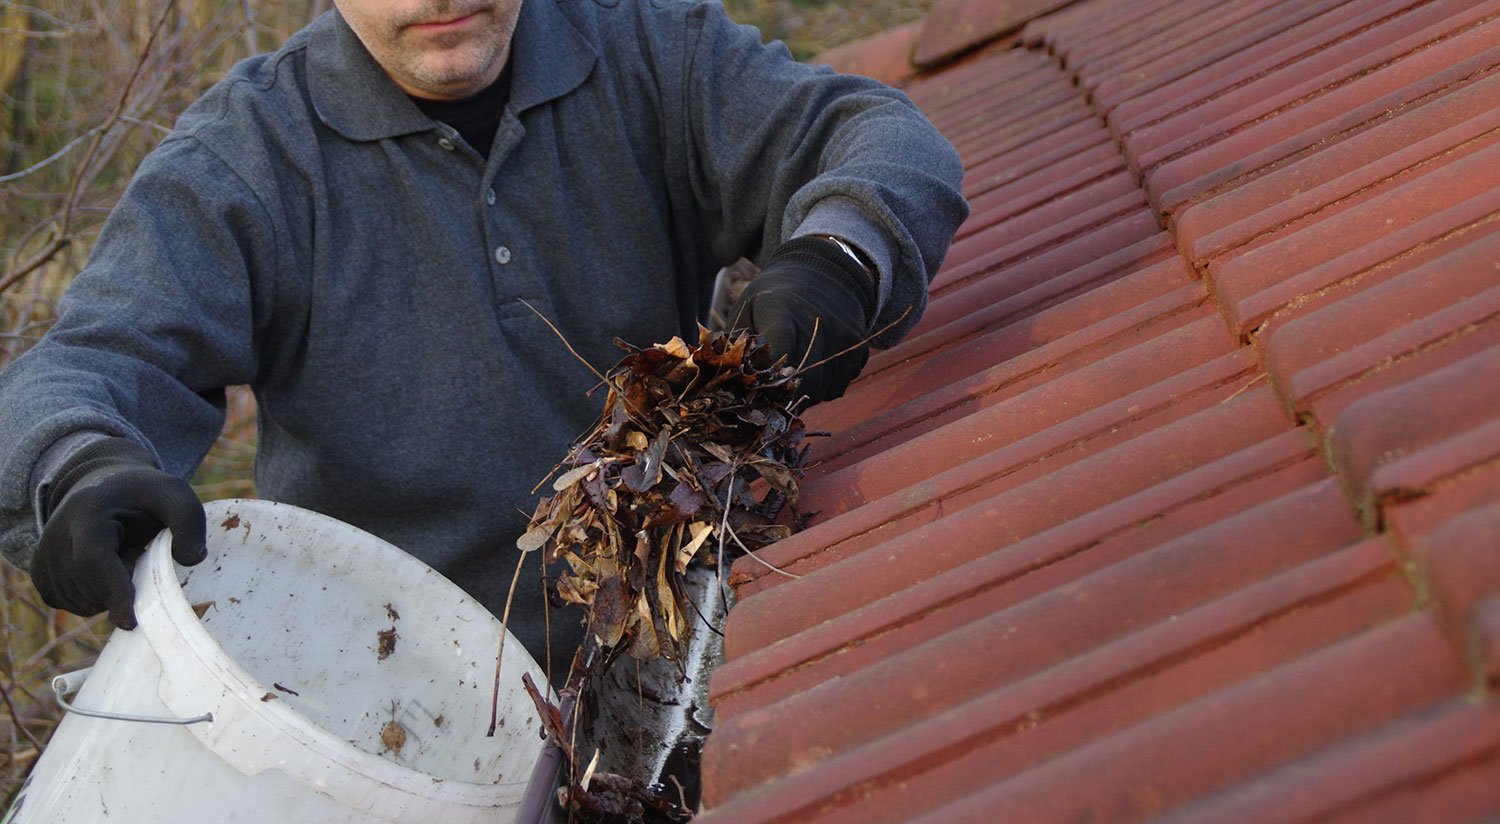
point(87, 88)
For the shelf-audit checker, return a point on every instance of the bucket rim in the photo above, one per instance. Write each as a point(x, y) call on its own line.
point(184, 645)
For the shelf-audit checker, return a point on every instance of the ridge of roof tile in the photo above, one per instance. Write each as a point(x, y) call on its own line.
point(885, 56)
point(1180, 502)
point(956, 26)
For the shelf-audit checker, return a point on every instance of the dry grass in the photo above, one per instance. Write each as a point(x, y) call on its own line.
point(87, 88)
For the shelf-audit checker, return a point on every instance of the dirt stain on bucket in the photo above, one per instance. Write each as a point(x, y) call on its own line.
point(385, 643)
point(392, 737)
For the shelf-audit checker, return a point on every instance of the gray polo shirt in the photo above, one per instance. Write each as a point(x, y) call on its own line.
point(307, 231)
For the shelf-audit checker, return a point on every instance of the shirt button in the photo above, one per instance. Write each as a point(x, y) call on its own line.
point(489, 197)
point(445, 143)
point(502, 255)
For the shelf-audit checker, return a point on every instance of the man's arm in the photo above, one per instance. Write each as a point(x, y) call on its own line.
point(779, 149)
point(158, 323)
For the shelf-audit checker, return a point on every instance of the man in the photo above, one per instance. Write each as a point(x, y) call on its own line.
point(355, 226)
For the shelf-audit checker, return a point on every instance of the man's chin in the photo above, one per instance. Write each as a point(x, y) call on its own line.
point(453, 81)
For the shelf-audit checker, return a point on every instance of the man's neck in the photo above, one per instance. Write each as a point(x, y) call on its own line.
point(477, 117)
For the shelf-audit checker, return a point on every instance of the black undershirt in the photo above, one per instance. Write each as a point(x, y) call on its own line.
point(476, 117)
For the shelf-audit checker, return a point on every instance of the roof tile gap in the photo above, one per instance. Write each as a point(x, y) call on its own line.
point(1174, 69)
point(1030, 310)
point(1041, 296)
point(1301, 154)
point(1424, 327)
point(1338, 84)
point(959, 734)
point(1050, 124)
point(1398, 497)
point(1030, 252)
point(1176, 311)
point(1262, 460)
point(1073, 140)
point(1021, 93)
point(1140, 415)
point(1074, 188)
point(960, 96)
point(1109, 37)
point(1224, 310)
point(1269, 70)
point(1372, 573)
point(1307, 217)
point(1148, 47)
point(1400, 358)
point(1397, 760)
point(1354, 280)
point(1389, 671)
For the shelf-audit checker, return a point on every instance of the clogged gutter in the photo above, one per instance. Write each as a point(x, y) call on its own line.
point(696, 454)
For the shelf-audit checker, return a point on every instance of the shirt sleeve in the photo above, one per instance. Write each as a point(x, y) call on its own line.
point(778, 148)
point(161, 319)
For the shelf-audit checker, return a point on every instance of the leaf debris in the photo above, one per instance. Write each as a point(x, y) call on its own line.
point(698, 448)
point(385, 643)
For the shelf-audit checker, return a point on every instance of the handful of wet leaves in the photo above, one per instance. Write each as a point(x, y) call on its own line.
point(697, 451)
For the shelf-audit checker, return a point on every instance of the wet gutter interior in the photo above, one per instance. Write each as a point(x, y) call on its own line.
point(646, 720)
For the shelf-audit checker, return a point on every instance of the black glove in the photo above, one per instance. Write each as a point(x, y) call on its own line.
point(811, 280)
point(107, 503)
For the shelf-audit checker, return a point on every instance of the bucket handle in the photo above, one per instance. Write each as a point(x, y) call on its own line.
point(70, 682)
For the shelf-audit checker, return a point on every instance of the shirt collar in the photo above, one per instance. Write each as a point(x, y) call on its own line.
point(356, 98)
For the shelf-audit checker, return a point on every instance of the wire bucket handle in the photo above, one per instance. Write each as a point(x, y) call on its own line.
point(70, 682)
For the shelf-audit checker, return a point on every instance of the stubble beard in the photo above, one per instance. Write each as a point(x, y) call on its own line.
point(440, 62)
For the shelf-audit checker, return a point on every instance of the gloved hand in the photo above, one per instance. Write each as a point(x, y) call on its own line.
point(107, 503)
point(811, 281)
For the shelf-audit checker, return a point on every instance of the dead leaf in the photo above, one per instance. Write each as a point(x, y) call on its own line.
point(392, 737)
point(610, 611)
point(572, 476)
point(690, 433)
point(536, 537)
point(677, 348)
point(701, 533)
point(552, 718)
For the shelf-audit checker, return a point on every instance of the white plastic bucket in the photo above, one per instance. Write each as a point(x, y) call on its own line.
point(316, 637)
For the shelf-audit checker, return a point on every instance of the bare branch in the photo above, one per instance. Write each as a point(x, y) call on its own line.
point(500, 649)
point(41, 35)
point(60, 237)
point(252, 45)
point(156, 127)
point(564, 340)
point(872, 336)
point(54, 157)
point(15, 719)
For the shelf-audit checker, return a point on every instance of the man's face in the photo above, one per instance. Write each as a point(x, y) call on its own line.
point(442, 49)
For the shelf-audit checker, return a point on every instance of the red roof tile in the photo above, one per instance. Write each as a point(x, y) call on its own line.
point(1182, 499)
point(1398, 148)
point(1398, 668)
point(1405, 432)
point(960, 25)
point(1436, 766)
point(885, 57)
